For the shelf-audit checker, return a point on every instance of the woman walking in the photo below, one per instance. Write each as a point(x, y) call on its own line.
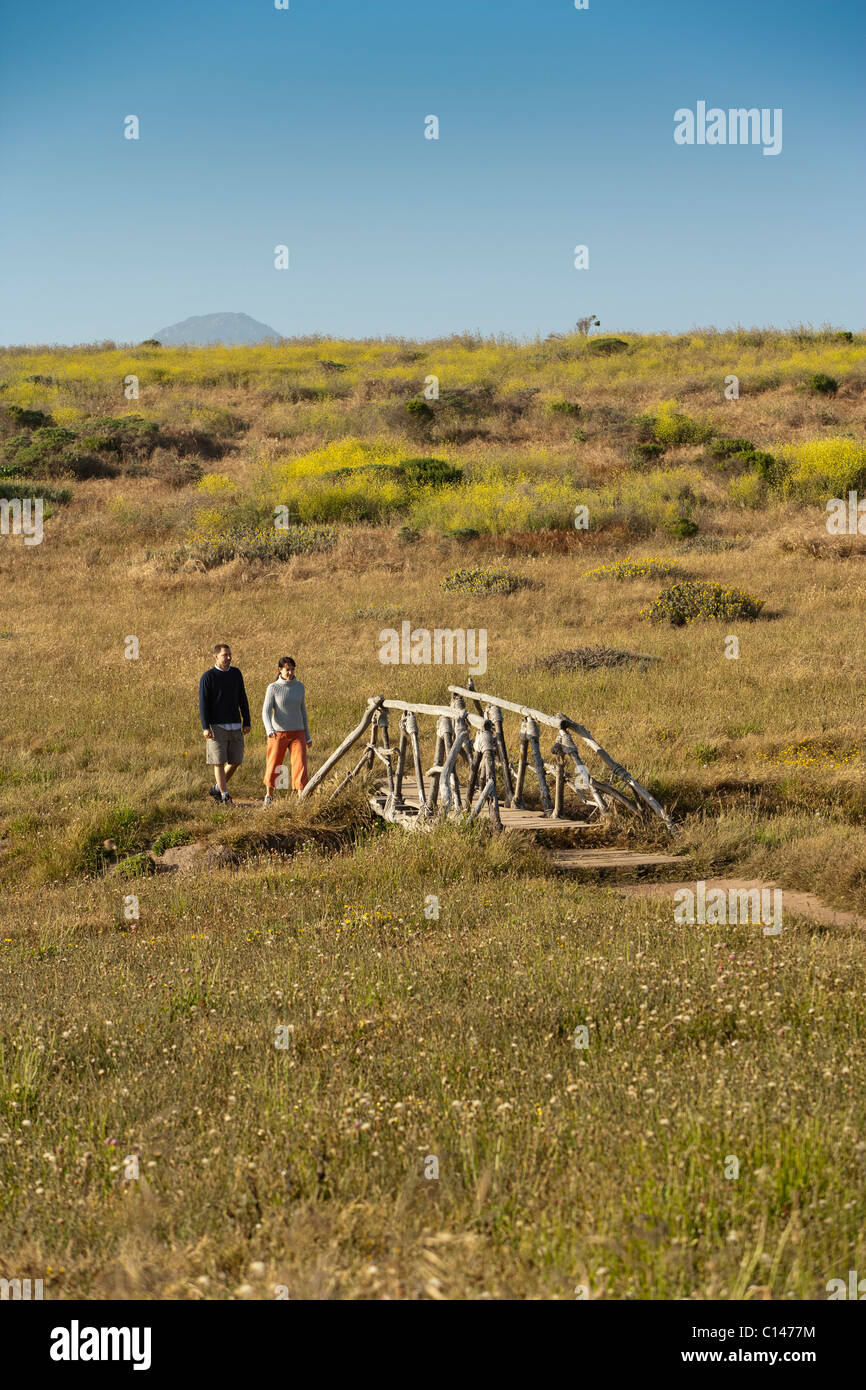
point(284, 715)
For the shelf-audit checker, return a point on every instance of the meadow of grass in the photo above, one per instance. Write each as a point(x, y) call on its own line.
point(412, 1037)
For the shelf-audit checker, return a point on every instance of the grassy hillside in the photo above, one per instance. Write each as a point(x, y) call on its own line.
point(413, 1037)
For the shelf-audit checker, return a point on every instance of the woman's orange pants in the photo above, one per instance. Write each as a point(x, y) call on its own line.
point(295, 742)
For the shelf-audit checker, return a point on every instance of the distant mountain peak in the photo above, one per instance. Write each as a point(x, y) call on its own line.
point(202, 330)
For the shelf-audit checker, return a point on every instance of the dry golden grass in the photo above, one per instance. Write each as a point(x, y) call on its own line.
point(414, 1037)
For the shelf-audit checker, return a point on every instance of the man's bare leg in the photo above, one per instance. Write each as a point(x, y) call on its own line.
point(220, 778)
point(230, 770)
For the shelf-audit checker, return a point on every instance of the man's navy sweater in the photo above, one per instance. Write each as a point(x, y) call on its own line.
point(222, 698)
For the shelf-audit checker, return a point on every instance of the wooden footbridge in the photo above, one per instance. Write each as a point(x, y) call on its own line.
point(414, 796)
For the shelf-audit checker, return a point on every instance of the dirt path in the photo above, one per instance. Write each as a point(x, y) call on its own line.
point(795, 903)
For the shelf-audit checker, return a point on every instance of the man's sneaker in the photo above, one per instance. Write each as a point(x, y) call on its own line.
point(268, 799)
point(215, 793)
point(226, 800)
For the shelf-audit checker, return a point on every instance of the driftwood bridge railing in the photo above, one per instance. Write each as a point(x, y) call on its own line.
point(410, 796)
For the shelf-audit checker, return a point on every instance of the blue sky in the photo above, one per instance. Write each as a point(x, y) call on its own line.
point(305, 127)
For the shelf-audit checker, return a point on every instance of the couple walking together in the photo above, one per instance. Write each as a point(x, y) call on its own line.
point(225, 719)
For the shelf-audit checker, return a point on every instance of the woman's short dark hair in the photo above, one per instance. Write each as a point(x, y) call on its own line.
point(285, 661)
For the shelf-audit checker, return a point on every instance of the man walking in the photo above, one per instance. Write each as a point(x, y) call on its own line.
point(225, 718)
point(284, 715)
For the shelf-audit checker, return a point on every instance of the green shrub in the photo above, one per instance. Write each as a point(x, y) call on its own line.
point(682, 527)
point(728, 448)
point(419, 409)
point(767, 466)
point(484, 579)
point(122, 435)
point(170, 839)
point(11, 488)
point(430, 472)
point(50, 451)
point(696, 601)
point(607, 346)
point(136, 866)
point(562, 407)
point(42, 447)
point(27, 419)
point(822, 384)
point(640, 455)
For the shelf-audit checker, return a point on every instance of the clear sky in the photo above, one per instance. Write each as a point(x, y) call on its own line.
point(305, 127)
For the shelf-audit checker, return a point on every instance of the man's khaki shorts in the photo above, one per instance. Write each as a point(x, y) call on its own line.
point(226, 746)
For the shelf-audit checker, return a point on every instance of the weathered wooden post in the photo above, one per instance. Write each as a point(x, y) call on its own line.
point(477, 761)
point(401, 762)
point(373, 704)
point(619, 771)
point(494, 714)
point(535, 748)
point(458, 705)
point(383, 727)
point(521, 767)
point(450, 784)
point(559, 786)
point(582, 781)
point(443, 725)
point(412, 731)
point(486, 756)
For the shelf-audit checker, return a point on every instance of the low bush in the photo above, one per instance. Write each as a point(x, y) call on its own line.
point(51, 451)
point(136, 866)
point(27, 419)
point(729, 448)
point(592, 659)
point(208, 549)
point(170, 839)
point(126, 436)
point(606, 347)
point(644, 454)
point(430, 472)
point(696, 601)
point(633, 569)
point(682, 527)
point(483, 579)
point(822, 384)
point(419, 409)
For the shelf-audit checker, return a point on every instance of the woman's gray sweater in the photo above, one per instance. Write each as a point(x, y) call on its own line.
point(284, 708)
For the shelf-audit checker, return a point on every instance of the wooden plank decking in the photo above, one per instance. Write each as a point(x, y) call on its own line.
point(511, 819)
